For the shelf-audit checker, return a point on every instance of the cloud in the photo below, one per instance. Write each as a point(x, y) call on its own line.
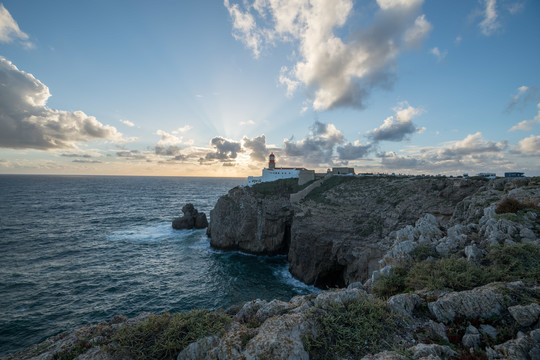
point(523, 96)
point(249, 122)
point(127, 122)
point(169, 144)
point(258, 148)
point(354, 152)
point(527, 124)
point(438, 54)
point(86, 161)
point(225, 149)
point(76, 155)
point(27, 123)
point(9, 29)
point(334, 72)
point(489, 24)
point(471, 153)
point(516, 8)
point(318, 146)
point(529, 145)
point(397, 127)
point(131, 154)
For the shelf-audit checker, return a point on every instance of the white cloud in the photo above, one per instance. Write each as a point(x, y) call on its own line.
point(438, 54)
point(127, 122)
point(27, 123)
point(523, 96)
point(170, 144)
point(183, 129)
point(527, 124)
point(248, 122)
point(397, 127)
point(530, 145)
point(334, 72)
point(9, 29)
point(490, 22)
point(458, 40)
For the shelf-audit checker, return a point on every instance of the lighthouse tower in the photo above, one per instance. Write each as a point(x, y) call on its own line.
point(272, 162)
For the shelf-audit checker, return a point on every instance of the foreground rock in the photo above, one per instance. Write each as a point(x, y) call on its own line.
point(275, 329)
point(191, 219)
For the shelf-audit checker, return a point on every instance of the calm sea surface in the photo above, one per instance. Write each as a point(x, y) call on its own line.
point(80, 249)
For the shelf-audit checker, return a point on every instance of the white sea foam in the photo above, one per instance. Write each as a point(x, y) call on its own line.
point(149, 233)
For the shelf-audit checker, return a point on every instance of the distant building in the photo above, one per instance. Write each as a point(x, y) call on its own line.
point(273, 173)
point(514, 174)
point(343, 171)
point(488, 175)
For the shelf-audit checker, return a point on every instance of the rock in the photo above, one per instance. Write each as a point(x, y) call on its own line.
point(248, 312)
point(279, 337)
point(326, 299)
point(483, 301)
point(199, 349)
point(437, 330)
point(385, 355)
point(191, 219)
point(437, 351)
point(473, 253)
point(356, 285)
point(518, 348)
point(232, 344)
point(96, 353)
point(489, 330)
point(273, 308)
point(525, 315)
point(472, 338)
point(404, 304)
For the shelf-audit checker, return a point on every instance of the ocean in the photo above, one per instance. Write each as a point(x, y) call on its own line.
point(76, 250)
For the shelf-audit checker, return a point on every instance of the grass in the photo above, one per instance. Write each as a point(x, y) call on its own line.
point(318, 193)
point(279, 187)
point(351, 330)
point(164, 336)
point(503, 263)
point(510, 205)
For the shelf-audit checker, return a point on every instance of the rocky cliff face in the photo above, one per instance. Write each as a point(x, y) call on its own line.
point(248, 221)
point(337, 234)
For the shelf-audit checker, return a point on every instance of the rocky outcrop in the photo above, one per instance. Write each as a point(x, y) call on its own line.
point(337, 233)
point(191, 219)
point(247, 221)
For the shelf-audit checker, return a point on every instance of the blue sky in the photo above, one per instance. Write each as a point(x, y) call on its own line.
point(210, 88)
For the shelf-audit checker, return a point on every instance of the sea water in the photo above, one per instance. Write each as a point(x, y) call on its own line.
point(76, 250)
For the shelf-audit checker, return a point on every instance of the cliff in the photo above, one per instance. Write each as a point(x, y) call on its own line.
point(458, 280)
point(339, 231)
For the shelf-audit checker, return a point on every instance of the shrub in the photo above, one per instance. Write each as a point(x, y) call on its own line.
point(515, 262)
point(350, 330)
point(453, 273)
point(392, 284)
point(164, 336)
point(423, 252)
point(510, 205)
point(317, 194)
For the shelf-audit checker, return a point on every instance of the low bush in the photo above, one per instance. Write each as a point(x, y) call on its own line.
point(510, 205)
point(351, 330)
point(515, 262)
point(391, 284)
point(164, 336)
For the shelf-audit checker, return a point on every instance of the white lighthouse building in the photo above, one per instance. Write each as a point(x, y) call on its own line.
point(273, 173)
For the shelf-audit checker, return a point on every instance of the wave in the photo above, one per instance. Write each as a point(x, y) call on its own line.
point(150, 233)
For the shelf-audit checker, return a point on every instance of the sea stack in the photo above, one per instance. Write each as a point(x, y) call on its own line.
point(191, 219)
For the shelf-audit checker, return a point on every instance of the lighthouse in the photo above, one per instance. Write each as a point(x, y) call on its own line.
point(272, 162)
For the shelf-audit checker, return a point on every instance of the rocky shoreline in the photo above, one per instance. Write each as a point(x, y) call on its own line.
point(427, 268)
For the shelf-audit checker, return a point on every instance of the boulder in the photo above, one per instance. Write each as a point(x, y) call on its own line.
point(191, 219)
point(483, 301)
point(433, 350)
point(199, 349)
point(525, 315)
point(472, 337)
point(403, 304)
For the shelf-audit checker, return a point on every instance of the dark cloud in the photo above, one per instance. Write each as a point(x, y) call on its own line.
point(87, 161)
point(167, 150)
point(258, 148)
point(27, 123)
point(397, 127)
point(318, 147)
point(353, 152)
point(76, 155)
point(225, 149)
point(131, 154)
point(524, 95)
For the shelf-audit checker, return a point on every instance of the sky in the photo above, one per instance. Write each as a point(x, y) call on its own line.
point(211, 87)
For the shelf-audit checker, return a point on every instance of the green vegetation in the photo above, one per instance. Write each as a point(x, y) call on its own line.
point(351, 330)
point(279, 187)
point(80, 346)
point(164, 336)
point(318, 194)
point(504, 263)
point(423, 252)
